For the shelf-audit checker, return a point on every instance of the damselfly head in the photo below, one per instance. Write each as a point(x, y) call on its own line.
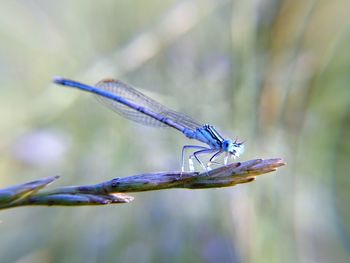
point(233, 147)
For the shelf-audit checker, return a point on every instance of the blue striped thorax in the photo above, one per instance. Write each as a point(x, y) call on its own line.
point(209, 135)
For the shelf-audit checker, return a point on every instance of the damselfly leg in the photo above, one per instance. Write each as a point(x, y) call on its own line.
point(190, 162)
point(204, 151)
point(213, 158)
point(226, 158)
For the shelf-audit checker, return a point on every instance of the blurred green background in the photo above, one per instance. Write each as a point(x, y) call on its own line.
point(272, 73)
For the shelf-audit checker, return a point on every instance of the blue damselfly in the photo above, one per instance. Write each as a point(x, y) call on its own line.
point(137, 107)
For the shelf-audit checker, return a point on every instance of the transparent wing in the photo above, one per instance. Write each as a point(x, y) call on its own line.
point(121, 89)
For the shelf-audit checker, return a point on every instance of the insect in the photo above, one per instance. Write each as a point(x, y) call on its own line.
point(135, 106)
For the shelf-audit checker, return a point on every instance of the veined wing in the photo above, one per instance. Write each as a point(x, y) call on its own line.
point(121, 89)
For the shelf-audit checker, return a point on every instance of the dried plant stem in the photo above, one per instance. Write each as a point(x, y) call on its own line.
point(112, 191)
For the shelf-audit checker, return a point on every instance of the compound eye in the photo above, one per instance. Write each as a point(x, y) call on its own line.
point(225, 144)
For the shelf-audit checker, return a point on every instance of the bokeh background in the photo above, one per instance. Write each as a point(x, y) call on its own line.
point(272, 73)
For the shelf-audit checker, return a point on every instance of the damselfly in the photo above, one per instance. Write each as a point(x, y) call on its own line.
point(137, 107)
